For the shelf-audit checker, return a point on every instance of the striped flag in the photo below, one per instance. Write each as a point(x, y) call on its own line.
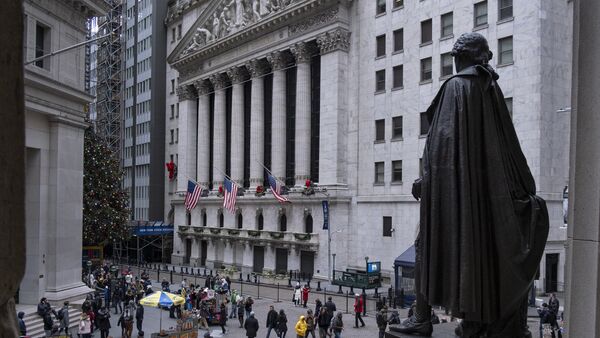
point(231, 190)
point(193, 193)
point(276, 189)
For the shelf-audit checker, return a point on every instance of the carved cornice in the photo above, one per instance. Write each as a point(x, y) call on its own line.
point(257, 67)
point(278, 60)
point(219, 81)
point(180, 7)
point(237, 74)
point(302, 51)
point(186, 92)
point(337, 39)
point(320, 19)
point(203, 87)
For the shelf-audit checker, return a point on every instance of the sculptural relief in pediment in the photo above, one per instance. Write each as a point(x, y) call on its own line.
point(231, 16)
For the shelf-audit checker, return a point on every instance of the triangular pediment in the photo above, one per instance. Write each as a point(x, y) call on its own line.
point(223, 18)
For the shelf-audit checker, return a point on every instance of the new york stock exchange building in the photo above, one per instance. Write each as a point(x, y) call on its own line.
point(299, 87)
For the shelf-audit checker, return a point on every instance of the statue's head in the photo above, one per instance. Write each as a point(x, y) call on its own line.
point(471, 49)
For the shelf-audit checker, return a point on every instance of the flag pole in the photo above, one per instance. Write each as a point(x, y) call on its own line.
point(227, 176)
point(270, 173)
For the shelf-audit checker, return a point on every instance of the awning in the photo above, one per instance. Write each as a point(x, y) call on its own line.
point(406, 259)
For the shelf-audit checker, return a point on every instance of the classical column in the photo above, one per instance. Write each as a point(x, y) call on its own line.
point(248, 257)
point(294, 258)
point(195, 255)
point(278, 61)
point(219, 82)
point(211, 252)
point(186, 168)
point(203, 88)
point(334, 46)
point(178, 249)
point(237, 75)
point(302, 52)
point(228, 253)
point(257, 69)
point(269, 259)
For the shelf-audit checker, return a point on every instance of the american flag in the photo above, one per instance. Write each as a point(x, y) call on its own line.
point(193, 193)
point(276, 190)
point(231, 190)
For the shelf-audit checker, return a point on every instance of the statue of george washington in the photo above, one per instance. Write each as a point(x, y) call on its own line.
point(483, 229)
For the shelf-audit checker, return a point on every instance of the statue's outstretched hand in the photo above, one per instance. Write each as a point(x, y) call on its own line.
point(416, 189)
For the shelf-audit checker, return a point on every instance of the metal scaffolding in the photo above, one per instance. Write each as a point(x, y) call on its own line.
point(109, 74)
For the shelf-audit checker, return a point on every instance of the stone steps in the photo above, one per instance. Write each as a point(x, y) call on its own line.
point(35, 324)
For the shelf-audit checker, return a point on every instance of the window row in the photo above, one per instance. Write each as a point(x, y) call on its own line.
point(480, 13)
point(396, 129)
point(174, 111)
point(141, 108)
point(174, 136)
point(380, 172)
point(176, 33)
point(260, 221)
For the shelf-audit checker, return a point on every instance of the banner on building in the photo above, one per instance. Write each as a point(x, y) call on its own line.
point(325, 215)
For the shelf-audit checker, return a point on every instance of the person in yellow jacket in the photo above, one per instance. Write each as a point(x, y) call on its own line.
point(301, 327)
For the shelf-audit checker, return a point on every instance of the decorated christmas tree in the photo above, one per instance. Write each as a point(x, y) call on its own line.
point(105, 202)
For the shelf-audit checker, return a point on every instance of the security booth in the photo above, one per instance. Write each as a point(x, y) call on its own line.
point(404, 273)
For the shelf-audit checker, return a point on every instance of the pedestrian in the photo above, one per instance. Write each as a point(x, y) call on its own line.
point(48, 324)
point(139, 317)
point(240, 310)
point(103, 322)
point(203, 315)
point(382, 321)
point(337, 325)
point(184, 284)
point(271, 320)
point(126, 321)
point(233, 299)
point(300, 327)
point(297, 294)
point(223, 317)
point(248, 305)
point(305, 292)
point(358, 308)
point(282, 324)
point(251, 326)
point(85, 326)
point(117, 300)
point(63, 317)
point(318, 306)
point(330, 306)
point(22, 326)
point(107, 296)
point(43, 308)
point(553, 304)
point(310, 324)
point(324, 321)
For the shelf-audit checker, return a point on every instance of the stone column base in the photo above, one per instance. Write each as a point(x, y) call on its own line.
point(176, 259)
point(72, 293)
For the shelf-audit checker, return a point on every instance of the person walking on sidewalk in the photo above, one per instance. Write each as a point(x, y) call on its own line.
point(324, 321)
point(103, 322)
point(223, 317)
point(63, 317)
point(240, 310)
point(382, 321)
point(301, 327)
point(282, 324)
point(358, 308)
point(337, 325)
point(251, 326)
point(139, 317)
point(233, 298)
point(271, 320)
point(310, 324)
point(305, 292)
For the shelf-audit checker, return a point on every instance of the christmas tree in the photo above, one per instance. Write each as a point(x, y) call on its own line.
point(105, 202)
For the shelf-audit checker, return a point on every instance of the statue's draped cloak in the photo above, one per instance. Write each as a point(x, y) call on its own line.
point(483, 229)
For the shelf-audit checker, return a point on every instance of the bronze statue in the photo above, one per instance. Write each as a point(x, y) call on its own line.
point(483, 229)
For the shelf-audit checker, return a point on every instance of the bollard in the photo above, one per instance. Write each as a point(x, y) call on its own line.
point(401, 298)
point(241, 277)
point(308, 283)
point(258, 291)
point(290, 281)
point(211, 273)
point(158, 275)
point(204, 271)
point(241, 288)
point(181, 269)
point(173, 270)
point(171, 276)
point(278, 293)
point(364, 297)
point(376, 293)
point(318, 285)
point(347, 294)
point(186, 270)
point(255, 279)
point(352, 289)
point(248, 278)
point(340, 289)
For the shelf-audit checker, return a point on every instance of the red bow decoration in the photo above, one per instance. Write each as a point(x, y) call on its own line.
point(308, 183)
point(172, 169)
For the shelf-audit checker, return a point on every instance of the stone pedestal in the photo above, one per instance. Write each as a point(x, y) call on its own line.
point(445, 330)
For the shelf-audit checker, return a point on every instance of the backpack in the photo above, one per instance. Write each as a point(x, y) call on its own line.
point(60, 314)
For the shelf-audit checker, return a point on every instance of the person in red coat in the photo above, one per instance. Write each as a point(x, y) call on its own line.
point(358, 308)
point(305, 291)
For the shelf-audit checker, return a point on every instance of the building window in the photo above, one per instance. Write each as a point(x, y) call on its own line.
point(173, 35)
point(240, 221)
point(424, 124)
point(380, 45)
point(380, 7)
point(188, 218)
point(426, 31)
point(505, 9)
point(173, 86)
point(172, 111)
point(177, 135)
point(398, 40)
point(421, 167)
point(204, 219)
point(397, 3)
point(283, 223)
point(397, 171)
point(480, 14)
point(396, 127)
point(505, 51)
point(509, 105)
point(172, 136)
point(42, 45)
point(387, 226)
point(380, 80)
point(221, 219)
point(379, 130)
point(308, 224)
point(446, 29)
point(446, 66)
point(177, 110)
point(260, 222)
point(379, 172)
point(178, 31)
point(398, 73)
point(425, 69)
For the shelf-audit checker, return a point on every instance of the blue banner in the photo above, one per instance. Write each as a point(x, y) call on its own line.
point(152, 230)
point(325, 215)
